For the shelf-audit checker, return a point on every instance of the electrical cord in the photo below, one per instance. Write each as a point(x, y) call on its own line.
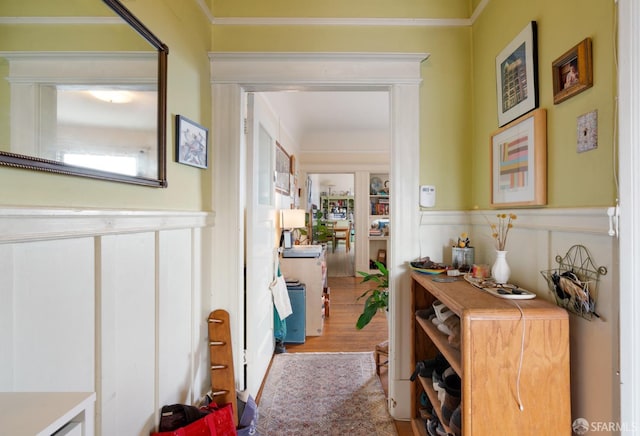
point(522, 318)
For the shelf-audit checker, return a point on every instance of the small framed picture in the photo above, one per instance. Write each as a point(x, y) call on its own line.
point(572, 72)
point(519, 162)
point(192, 142)
point(517, 76)
point(283, 170)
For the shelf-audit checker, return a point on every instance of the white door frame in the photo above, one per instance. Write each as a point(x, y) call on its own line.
point(233, 74)
point(629, 192)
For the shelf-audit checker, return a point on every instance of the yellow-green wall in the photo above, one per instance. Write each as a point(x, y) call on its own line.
point(187, 32)
point(457, 100)
point(458, 94)
point(574, 179)
point(445, 94)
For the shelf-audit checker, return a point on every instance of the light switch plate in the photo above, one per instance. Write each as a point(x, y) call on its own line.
point(587, 133)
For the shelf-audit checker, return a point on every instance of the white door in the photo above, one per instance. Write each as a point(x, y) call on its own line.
point(260, 240)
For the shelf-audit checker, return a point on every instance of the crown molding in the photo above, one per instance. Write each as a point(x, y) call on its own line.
point(360, 22)
point(383, 22)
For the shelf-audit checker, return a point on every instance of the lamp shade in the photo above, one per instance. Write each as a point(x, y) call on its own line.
point(292, 219)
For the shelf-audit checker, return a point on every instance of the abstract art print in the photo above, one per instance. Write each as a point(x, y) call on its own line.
point(519, 162)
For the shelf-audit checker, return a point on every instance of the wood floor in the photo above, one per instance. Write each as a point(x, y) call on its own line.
point(340, 333)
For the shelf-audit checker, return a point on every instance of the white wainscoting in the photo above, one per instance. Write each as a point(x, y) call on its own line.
point(538, 236)
point(106, 301)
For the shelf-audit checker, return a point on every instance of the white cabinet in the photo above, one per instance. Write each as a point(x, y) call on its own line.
point(47, 413)
point(312, 271)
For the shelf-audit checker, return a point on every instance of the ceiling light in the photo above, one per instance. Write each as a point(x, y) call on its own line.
point(112, 96)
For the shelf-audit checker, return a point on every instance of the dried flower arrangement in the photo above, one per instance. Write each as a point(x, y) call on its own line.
point(500, 231)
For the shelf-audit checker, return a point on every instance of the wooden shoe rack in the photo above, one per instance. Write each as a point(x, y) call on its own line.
point(513, 360)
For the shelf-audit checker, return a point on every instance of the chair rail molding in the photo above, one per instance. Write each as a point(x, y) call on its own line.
point(33, 224)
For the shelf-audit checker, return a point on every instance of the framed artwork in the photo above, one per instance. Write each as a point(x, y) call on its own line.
point(519, 162)
point(192, 142)
point(283, 170)
point(517, 76)
point(572, 72)
point(293, 164)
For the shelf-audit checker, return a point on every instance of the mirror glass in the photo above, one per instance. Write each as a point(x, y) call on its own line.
point(82, 91)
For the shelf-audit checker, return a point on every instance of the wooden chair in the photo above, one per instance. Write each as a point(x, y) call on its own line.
point(381, 352)
point(342, 232)
point(330, 238)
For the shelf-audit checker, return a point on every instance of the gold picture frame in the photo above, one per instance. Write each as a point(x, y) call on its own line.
point(573, 72)
point(519, 162)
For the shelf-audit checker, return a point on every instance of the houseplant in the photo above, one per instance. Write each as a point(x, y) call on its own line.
point(321, 232)
point(376, 298)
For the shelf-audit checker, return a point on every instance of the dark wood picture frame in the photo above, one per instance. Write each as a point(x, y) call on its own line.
point(517, 76)
point(573, 72)
point(519, 162)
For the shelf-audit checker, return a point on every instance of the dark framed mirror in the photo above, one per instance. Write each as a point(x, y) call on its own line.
point(83, 91)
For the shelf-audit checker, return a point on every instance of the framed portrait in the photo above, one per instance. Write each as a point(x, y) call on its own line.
point(517, 76)
point(572, 72)
point(519, 162)
point(192, 142)
point(283, 170)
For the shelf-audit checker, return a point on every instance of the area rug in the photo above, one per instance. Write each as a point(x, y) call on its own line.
point(323, 394)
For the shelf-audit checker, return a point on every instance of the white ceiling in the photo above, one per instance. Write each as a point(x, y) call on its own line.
point(306, 112)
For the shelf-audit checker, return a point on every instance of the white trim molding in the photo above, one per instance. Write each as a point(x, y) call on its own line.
point(629, 243)
point(38, 224)
point(291, 71)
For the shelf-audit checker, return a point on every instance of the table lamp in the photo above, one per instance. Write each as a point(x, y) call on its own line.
point(291, 219)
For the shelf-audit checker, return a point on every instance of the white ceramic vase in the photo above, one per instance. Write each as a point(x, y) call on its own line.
point(500, 270)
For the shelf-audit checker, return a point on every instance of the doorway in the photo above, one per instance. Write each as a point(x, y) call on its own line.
point(233, 74)
point(333, 204)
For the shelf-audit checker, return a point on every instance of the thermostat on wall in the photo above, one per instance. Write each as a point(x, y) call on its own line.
point(427, 196)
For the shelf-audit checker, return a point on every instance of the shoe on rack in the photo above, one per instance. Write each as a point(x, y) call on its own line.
point(425, 313)
point(425, 368)
point(453, 325)
point(455, 423)
point(442, 312)
point(449, 373)
point(452, 396)
point(432, 425)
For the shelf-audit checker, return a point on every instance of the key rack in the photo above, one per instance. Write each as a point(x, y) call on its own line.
point(574, 284)
point(223, 388)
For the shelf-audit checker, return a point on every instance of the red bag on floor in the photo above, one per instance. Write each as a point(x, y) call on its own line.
point(222, 419)
point(218, 421)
